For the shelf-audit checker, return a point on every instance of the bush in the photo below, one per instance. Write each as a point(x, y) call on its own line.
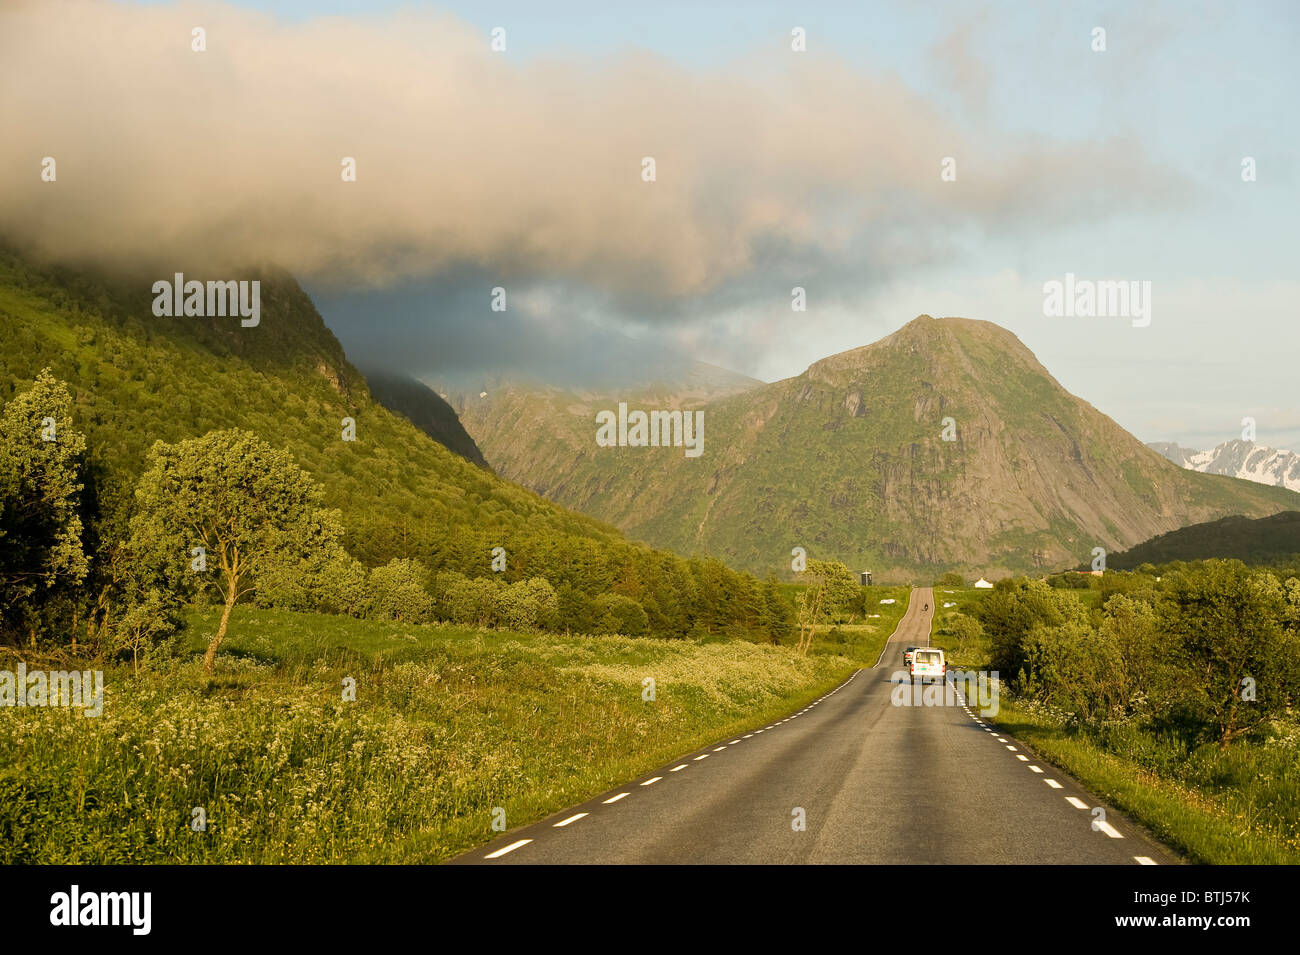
point(334, 584)
point(967, 630)
point(618, 614)
point(1074, 668)
point(467, 600)
point(1013, 609)
point(398, 591)
point(951, 579)
point(527, 604)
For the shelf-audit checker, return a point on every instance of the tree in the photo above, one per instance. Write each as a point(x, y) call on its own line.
point(41, 456)
point(247, 505)
point(618, 614)
point(830, 589)
point(1243, 663)
point(1013, 608)
point(148, 617)
point(968, 632)
point(526, 604)
point(778, 619)
point(399, 591)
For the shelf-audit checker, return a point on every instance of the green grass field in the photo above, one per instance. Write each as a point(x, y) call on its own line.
point(863, 639)
point(447, 724)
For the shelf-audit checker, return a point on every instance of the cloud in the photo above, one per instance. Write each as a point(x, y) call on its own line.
point(967, 74)
point(769, 169)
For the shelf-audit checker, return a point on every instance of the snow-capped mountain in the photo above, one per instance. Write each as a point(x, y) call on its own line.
point(1239, 459)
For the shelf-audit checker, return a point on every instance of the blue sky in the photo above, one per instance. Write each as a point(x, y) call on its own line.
point(1184, 90)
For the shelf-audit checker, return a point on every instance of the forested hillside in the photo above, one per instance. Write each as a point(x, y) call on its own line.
point(134, 379)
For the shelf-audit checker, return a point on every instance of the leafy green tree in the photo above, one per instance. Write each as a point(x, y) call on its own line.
point(618, 614)
point(467, 600)
point(527, 604)
point(1148, 676)
point(148, 618)
point(830, 588)
point(1075, 668)
point(399, 591)
point(1243, 665)
point(967, 630)
point(41, 455)
point(246, 504)
point(779, 618)
point(1013, 608)
point(322, 578)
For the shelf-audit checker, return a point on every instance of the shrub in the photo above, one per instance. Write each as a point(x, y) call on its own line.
point(527, 604)
point(398, 591)
point(618, 614)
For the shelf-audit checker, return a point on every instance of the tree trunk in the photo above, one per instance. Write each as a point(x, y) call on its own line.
point(210, 658)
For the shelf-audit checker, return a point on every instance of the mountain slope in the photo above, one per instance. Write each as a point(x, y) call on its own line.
point(848, 461)
point(1240, 459)
point(139, 378)
point(1265, 540)
point(425, 409)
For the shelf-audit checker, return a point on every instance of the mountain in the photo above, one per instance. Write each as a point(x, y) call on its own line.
point(1240, 459)
point(1265, 540)
point(848, 460)
point(426, 409)
point(136, 378)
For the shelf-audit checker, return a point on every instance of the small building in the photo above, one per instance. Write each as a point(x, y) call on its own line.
point(983, 584)
point(865, 578)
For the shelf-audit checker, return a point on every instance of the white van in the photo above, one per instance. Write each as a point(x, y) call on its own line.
point(927, 663)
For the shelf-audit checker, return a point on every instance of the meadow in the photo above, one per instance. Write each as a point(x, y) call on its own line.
point(448, 723)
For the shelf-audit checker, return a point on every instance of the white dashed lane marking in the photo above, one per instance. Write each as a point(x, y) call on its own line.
point(1107, 828)
point(564, 822)
point(510, 848)
point(652, 780)
point(1076, 802)
point(616, 798)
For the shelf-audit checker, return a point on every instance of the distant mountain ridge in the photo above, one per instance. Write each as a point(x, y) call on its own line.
point(848, 460)
point(1240, 459)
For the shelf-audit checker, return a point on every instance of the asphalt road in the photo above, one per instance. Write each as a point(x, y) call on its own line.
point(876, 783)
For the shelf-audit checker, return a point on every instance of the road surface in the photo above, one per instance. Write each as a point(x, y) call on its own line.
point(873, 782)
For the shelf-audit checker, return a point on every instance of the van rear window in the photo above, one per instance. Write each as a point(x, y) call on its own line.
point(924, 657)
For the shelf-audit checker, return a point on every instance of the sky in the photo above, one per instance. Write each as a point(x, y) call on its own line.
point(522, 169)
